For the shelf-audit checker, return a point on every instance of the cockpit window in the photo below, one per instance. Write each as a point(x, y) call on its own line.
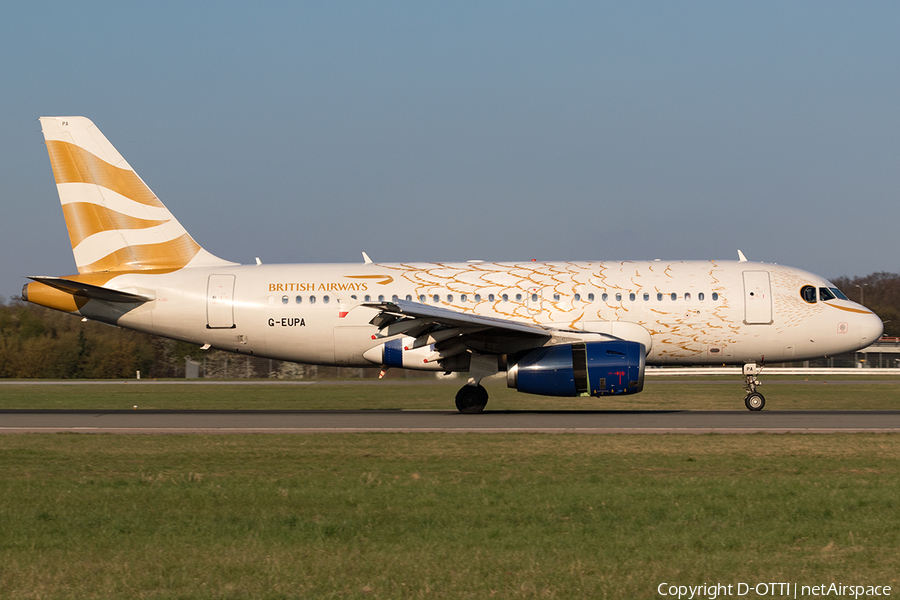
point(839, 293)
point(808, 293)
point(826, 294)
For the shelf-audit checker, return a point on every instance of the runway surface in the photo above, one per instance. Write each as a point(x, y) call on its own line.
point(434, 421)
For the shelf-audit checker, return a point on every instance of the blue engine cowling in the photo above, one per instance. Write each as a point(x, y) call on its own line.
point(581, 369)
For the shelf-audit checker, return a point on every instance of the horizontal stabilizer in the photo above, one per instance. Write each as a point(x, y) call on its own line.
point(95, 292)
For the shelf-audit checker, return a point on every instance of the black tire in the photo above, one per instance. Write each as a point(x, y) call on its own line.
point(471, 399)
point(755, 401)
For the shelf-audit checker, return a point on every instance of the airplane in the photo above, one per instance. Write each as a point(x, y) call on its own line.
point(570, 328)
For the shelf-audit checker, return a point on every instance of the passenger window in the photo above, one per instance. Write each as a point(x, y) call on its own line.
point(591, 297)
point(422, 298)
point(298, 299)
point(534, 298)
point(715, 296)
point(659, 297)
point(701, 296)
point(808, 293)
point(477, 297)
point(603, 297)
point(395, 297)
point(505, 297)
point(556, 297)
point(436, 298)
point(312, 299)
point(618, 297)
point(631, 296)
point(368, 298)
point(577, 297)
point(462, 297)
point(825, 294)
point(646, 297)
point(449, 297)
point(674, 296)
point(518, 297)
point(408, 298)
point(353, 297)
point(687, 296)
point(326, 299)
point(284, 300)
point(490, 297)
point(381, 297)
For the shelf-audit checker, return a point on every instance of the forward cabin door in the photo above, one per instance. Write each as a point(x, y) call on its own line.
point(757, 298)
point(220, 302)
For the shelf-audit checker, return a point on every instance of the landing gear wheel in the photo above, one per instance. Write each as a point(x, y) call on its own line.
point(471, 399)
point(755, 401)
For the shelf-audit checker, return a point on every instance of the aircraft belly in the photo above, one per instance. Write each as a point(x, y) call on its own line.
point(350, 342)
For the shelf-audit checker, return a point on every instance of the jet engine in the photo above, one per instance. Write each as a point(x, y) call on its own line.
point(581, 369)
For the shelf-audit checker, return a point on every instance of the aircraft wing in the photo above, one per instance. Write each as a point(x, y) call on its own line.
point(94, 292)
point(450, 332)
point(403, 310)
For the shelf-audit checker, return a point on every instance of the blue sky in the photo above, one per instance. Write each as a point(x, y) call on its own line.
point(309, 132)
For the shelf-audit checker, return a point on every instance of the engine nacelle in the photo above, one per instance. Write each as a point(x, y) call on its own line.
point(581, 369)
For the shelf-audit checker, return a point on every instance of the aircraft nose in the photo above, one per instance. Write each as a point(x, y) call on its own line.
point(870, 329)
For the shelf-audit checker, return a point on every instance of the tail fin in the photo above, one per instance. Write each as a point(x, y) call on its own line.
point(115, 222)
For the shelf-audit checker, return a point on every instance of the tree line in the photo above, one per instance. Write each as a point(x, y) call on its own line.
point(36, 342)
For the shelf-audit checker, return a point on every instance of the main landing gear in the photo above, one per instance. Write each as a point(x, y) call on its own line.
point(754, 400)
point(471, 399)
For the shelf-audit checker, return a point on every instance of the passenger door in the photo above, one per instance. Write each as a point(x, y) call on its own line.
point(757, 298)
point(220, 302)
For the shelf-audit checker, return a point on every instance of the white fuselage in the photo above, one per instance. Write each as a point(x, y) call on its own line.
point(690, 312)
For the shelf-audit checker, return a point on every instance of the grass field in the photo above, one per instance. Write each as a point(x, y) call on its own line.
point(441, 516)
point(715, 393)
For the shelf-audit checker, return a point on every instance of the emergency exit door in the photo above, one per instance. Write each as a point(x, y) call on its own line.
point(533, 299)
point(220, 302)
point(757, 298)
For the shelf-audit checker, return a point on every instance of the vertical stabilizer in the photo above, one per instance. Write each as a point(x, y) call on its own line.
point(115, 222)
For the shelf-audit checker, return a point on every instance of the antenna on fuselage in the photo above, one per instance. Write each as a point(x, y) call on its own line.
point(741, 257)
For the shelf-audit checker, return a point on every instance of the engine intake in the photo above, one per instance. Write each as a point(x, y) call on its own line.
point(581, 369)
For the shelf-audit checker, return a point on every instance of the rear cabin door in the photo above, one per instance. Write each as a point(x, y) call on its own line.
point(757, 298)
point(220, 302)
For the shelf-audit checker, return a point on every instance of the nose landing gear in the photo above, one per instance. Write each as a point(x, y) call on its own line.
point(754, 400)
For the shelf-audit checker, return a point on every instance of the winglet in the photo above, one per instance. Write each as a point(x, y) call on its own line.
point(741, 257)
